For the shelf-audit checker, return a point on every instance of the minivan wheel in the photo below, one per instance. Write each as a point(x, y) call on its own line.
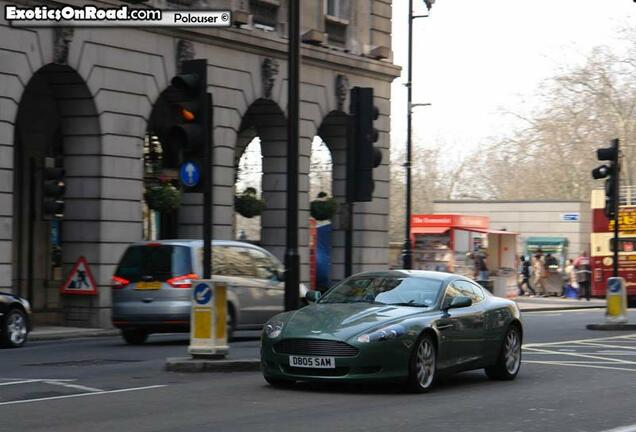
point(134, 337)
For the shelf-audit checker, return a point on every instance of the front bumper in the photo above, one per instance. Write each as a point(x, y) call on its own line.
point(375, 361)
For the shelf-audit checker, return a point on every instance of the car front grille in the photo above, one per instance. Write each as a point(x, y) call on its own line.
point(318, 347)
point(340, 371)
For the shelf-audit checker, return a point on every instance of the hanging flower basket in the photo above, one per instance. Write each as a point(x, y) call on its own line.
point(163, 198)
point(323, 208)
point(247, 204)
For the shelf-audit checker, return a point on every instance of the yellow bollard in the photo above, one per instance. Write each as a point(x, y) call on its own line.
point(616, 312)
point(208, 332)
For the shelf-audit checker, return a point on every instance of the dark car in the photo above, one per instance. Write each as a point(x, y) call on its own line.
point(15, 321)
point(403, 325)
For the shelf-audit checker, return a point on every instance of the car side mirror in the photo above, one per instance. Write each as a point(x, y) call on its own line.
point(312, 296)
point(460, 302)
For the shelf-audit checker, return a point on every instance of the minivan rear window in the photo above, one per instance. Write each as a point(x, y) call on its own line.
point(154, 263)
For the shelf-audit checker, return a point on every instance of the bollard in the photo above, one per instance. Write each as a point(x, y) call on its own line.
point(208, 328)
point(616, 312)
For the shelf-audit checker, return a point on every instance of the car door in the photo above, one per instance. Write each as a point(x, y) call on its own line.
point(475, 318)
point(268, 271)
point(461, 329)
point(233, 265)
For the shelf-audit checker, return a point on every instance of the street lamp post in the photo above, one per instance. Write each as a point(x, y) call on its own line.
point(407, 253)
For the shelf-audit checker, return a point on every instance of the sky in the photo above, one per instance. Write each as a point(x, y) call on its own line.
point(476, 60)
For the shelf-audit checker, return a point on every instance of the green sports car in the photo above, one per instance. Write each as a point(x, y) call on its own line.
point(398, 325)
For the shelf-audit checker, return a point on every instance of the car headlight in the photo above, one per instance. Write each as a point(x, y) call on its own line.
point(273, 329)
point(383, 334)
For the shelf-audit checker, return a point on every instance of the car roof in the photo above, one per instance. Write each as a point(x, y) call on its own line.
point(441, 276)
point(196, 243)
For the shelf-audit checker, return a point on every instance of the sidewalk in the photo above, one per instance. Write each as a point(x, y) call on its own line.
point(536, 304)
point(41, 333)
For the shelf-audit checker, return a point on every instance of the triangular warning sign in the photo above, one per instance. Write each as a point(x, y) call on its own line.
point(80, 280)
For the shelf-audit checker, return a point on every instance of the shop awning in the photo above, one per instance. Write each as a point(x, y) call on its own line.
point(429, 230)
point(546, 241)
point(489, 231)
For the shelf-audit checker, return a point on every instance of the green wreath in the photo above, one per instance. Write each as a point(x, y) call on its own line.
point(163, 197)
point(247, 204)
point(323, 208)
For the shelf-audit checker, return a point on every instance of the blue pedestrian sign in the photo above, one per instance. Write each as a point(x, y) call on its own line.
point(189, 174)
point(202, 294)
point(614, 285)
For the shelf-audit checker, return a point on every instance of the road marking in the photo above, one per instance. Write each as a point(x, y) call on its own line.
point(81, 395)
point(74, 386)
point(19, 382)
point(629, 337)
point(593, 344)
point(629, 428)
point(585, 356)
point(37, 379)
point(579, 365)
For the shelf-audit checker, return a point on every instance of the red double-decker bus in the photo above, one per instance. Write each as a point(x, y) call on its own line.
point(602, 253)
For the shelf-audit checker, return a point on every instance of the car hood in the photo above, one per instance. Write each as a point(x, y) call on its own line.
point(343, 320)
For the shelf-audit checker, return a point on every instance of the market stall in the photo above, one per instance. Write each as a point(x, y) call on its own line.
point(452, 243)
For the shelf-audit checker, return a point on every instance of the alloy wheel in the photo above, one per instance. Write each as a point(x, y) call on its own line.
point(16, 328)
point(425, 363)
point(512, 351)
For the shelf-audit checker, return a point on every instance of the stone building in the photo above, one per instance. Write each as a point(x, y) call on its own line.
point(90, 99)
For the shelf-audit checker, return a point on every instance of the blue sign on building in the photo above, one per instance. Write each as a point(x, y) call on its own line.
point(189, 174)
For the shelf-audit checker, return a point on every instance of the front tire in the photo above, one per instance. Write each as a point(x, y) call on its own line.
point(14, 330)
point(509, 359)
point(423, 365)
point(134, 337)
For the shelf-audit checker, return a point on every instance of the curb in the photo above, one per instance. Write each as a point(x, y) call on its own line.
point(611, 327)
point(187, 364)
point(72, 335)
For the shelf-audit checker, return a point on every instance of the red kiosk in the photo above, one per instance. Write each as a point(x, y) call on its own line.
point(447, 242)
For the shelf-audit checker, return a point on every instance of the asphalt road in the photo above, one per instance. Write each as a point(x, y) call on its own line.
point(567, 383)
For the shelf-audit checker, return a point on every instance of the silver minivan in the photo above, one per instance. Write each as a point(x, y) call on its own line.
point(152, 286)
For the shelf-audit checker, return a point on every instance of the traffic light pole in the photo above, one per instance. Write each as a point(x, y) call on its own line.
point(207, 188)
point(292, 257)
point(615, 179)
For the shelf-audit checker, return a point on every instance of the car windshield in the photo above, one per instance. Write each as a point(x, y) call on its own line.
point(403, 291)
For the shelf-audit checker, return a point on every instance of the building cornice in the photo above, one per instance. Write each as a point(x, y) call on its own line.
point(260, 43)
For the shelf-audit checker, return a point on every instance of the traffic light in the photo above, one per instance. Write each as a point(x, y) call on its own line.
point(364, 156)
point(53, 188)
point(609, 171)
point(189, 136)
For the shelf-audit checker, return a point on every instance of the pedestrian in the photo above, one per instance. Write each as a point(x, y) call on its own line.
point(481, 269)
point(570, 281)
point(583, 274)
point(524, 276)
point(540, 275)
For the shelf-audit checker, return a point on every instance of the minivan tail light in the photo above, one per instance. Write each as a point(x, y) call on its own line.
point(184, 281)
point(118, 282)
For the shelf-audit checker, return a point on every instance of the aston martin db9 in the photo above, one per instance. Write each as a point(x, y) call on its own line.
point(399, 325)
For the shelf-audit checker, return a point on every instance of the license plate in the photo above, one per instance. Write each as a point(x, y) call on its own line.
point(148, 285)
point(312, 362)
